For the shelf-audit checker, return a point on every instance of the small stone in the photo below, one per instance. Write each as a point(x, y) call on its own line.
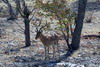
point(91, 65)
point(80, 66)
point(79, 55)
point(73, 65)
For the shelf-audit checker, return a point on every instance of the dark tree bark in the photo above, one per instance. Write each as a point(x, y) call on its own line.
point(27, 32)
point(79, 24)
point(25, 13)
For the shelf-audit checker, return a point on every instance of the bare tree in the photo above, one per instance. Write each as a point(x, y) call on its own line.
point(12, 14)
point(79, 24)
point(63, 14)
point(25, 13)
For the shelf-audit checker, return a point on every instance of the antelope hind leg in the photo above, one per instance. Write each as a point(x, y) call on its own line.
point(58, 51)
point(48, 53)
point(53, 51)
point(45, 53)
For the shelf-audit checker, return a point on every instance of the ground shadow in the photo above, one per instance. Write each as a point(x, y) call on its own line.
point(40, 62)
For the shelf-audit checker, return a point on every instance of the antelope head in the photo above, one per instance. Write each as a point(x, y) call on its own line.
point(39, 30)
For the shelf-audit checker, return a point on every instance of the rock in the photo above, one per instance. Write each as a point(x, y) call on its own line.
point(68, 64)
point(80, 66)
point(91, 65)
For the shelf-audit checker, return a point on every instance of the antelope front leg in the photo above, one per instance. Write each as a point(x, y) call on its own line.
point(45, 53)
point(53, 51)
point(48, 52)
point(58, 51)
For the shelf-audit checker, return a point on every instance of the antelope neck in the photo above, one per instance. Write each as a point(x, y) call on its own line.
point(42, 37)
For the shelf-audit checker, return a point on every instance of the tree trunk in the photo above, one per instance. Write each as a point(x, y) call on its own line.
point(27, 32)
point(79, 24)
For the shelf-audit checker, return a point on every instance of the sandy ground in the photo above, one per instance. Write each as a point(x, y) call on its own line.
point(11, 53)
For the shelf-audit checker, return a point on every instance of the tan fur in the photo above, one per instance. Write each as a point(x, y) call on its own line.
point(49, 41)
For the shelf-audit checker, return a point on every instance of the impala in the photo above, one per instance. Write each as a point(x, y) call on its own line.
point(47, 41)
